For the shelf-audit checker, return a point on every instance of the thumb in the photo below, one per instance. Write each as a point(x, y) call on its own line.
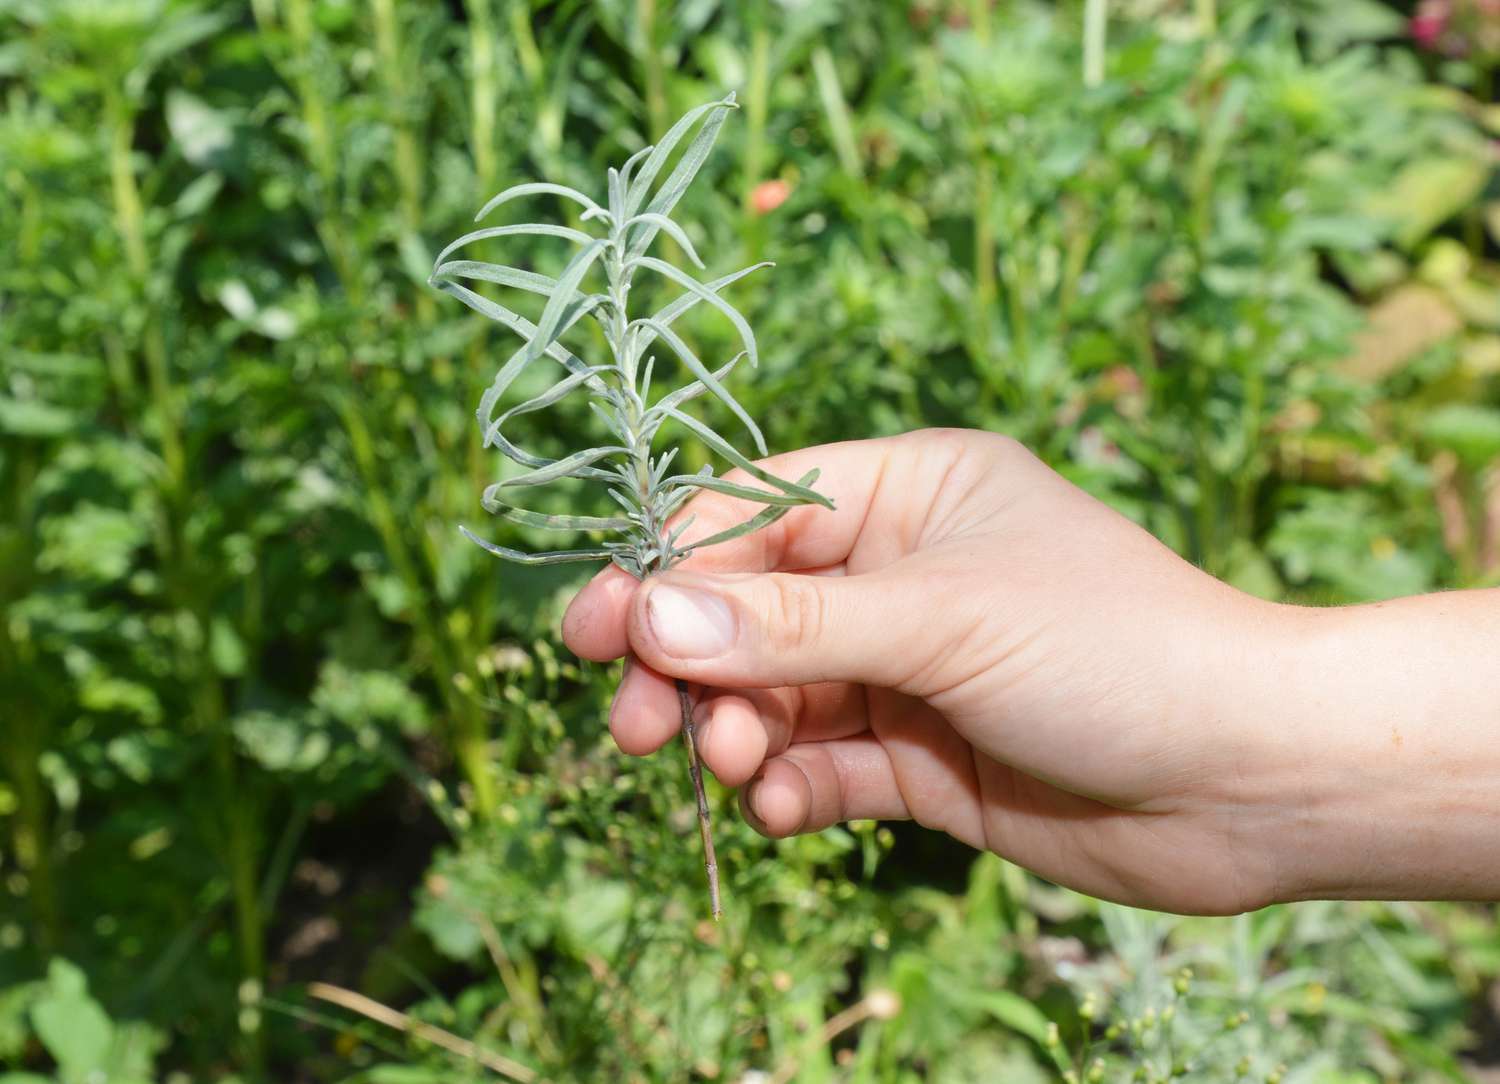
point(770, 630)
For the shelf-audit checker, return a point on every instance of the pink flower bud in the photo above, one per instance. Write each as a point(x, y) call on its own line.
point(769, 195)
point(1430, 23)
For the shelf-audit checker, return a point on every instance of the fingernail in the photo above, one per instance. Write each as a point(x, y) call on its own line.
point(690, 624)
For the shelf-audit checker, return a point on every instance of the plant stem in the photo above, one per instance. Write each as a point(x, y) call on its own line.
point(483, 92)
point(527, 53)
point(836, 110)
point(757, 90)
point(705, 823)
point(1095, 30)
point(1208, 17)
point(650, 59)
point(384, 1014)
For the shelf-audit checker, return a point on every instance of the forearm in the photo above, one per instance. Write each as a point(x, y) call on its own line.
point(1382, 736)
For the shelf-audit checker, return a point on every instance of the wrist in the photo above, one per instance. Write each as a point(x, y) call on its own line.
point(1379, 750)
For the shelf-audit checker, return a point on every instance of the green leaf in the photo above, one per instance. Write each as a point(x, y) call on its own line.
point(558, 391)
point(763, 518)
point(687, 393)
point(516, 322)
point(570, 466)
point(553, 558)
point(616, 193)
point(658, 154)
point(733, 454)
point(1471, 432)
point(549, 521)
point(692, 285)
point(706, 378)
point(593, 918)
point(35, 418)
point(672, 229)
point(630, 164)
point(1427, 193)
point(572, 312)
point(203, 133)
point(734, 489)
point(676, 184)
point(534, 228)
point(281, 743)
point(1015, 1012)
point(687, 301)
point(496, 273)
point(71, 1025)
point(537, 188)
point(550, 324)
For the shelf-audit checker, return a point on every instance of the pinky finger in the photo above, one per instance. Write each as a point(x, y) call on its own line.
point(817, 784)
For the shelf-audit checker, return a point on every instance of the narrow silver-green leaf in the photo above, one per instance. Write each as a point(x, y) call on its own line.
point(692, 285)
point(686, 301)
point(548, 521)
point(629, 165)
point(688, 392)
point(550, 324)
point(684, 352)
point(496, 273)
point(576, 465)
point(659, 154)
point(547, 398)
point(534, 228)
point(616, 193)
point(528, 353)
point(556, 557)
point(734, 489)
point(735, 456)
point(533, 189)
point(764, 518)
point(672, 230)
point(516, 322)
point(677, 183)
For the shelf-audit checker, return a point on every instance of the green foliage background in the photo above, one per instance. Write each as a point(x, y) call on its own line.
point(268, 720)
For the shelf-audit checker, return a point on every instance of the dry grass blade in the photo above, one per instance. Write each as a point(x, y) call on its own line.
point(394, 1018)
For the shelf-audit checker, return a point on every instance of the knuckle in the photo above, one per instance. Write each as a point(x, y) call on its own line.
point(795, 613)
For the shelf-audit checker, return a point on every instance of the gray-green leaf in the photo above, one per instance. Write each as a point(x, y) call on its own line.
point(553, 557)
point(537, 188)
point(735, 456)
point(690, 359)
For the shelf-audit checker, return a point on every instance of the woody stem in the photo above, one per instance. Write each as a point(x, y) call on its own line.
point(705, 825)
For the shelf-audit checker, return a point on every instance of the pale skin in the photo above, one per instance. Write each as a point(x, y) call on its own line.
point(971, 642)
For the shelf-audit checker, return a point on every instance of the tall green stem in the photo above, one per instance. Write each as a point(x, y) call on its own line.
point(1095, 33)
point(176, 551)
point(518, 14)
point(483, 92)
point(130, 220)
point(651, 67)
point(1208, 17)
point(21, 758)
point(757, 92)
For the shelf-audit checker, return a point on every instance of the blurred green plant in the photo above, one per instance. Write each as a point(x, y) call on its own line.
point(1243, 287)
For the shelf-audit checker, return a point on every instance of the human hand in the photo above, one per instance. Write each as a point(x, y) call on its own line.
point(969, 641)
